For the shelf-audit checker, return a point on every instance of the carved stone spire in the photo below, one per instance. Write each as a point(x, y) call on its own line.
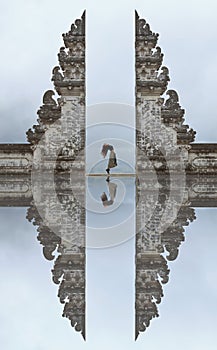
point(69, 265)
point(151, 266)
point(68, 79)
point(148, 289)
point(58, 174)
point(69, 268)
point(161, 139)
point(71, 61)
point(149, 79)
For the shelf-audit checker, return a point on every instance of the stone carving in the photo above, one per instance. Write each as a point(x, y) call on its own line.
point(69, 267)
point(143, 30)
point(49, 240)
point(164, 76)
point(68, 82)
point(151, 266)
point(148, 289)
point(57, 76)
point(174, 235)
point(149, 60)
point(71, 292)
point(35, 136)
point(60, 214)
point(48, 113)
point(142, 51)
point(161, 139)
point(173, 116)
point(72, 61)
point(77, 30)
point(77, 51)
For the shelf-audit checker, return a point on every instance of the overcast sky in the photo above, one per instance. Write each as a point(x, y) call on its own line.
point(31, 34)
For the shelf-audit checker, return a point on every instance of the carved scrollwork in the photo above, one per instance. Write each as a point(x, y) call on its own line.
point(146, 311)
point(76, 54)
point(164, 76)
point(148, 61)
point(74, 310)
point(72, 288)
point(77, 29)
point(78, 49)
point(62, 57)
point(151, 241)
point(69, 242)
point(157, 54)
point(148, 283)
point(35, 135)
point(152, 269)
point(49, 240)
point(173, 116)
point(74, 40)
point(68, 79)
point(72, 61)
point(57, 76)
point(75, 71)
point(48, 113)
point(48, 98)
point(174, 235)
point(143, 29)
point(173, 101)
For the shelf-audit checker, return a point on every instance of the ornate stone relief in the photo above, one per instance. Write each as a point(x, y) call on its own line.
point(68, 271)
point(154, 247)
point(173, 116)
point(58, 143)
point(162, 143)
point(48, 113)
point(69, 82)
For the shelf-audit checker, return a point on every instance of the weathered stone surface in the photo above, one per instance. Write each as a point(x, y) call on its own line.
point(162, 146)
point(173, 116)
point(58, 143)
point(152, 240)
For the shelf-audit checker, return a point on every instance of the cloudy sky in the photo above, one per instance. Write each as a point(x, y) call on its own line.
point(30, 39)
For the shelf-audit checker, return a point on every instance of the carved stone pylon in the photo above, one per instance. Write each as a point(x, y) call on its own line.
point(162, 146)
point(58, 174)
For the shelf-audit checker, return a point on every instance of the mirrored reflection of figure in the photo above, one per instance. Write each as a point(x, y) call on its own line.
point(112, 187)
point(112, 163)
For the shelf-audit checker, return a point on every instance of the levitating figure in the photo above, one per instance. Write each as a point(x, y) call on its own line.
point(112, 163)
